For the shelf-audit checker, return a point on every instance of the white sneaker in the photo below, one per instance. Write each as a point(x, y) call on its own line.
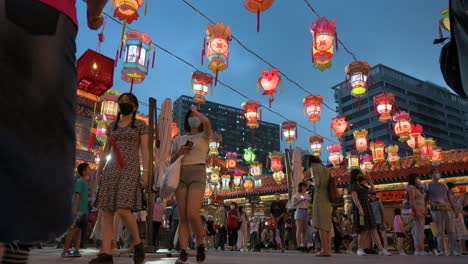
point(360, 252)
point(403, 254)
point(455, 253)
point(384, 252)
point(440, 254)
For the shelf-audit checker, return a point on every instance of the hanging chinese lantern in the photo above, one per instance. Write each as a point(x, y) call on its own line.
point(249, 155)
point(339, 125)
point(360, 140)
point(215, 171)
point(95, 73)
point(269, 83)
point(216, 139)
point(248, 183)
point(201, 84)
point(427, 149)
point(278, 176)
point(289, 132)
point(384, 105)
point(251, 109)
point(258, 6)
point(237, 179)
point(378, 150)
point(258, 182)
point(436, 156)
point(175, 130)
point(416, 140)
point(402, 126)
point(316, 145)
point(226, 179)
point(218, 37)
point(367, 164)
point(231, 160)
point(109, 105)
point(101, 131)
point(256, 169)
point(336, 157)
point(126, 10)
point(135, 66)
point(357, 74)
point(393, 157)
point(276, 158)
point(353, 160)
point(324, 35)
point(313, 107)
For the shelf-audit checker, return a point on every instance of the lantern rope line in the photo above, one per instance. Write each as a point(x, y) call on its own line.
point(219, 81)
point(260, 57)
point(339, 40)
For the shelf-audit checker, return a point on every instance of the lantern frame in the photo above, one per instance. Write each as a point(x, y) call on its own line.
point(313, 107)
point(252, 113)
point(427, 149)
point(256, 169)
point(231, 160)
point(214, 144)
point(289, 131)
point(127, 10)
point(378, 151)
point(360, 140)
point(226, 182)
point(358, 74)
point(324, 36)
point(217, 48)
point(279, 177)
point(353, 160)
point(95, 73)
point(416, 140)
point(135, 65)
point(385, 106)
point(275, 158)
point(201, 84)
point(316, 145)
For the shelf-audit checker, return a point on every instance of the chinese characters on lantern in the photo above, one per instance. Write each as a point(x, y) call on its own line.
point(231, 161)
point(201, 84)
point(353, 160)
point(218, 37)
point(269, 83)
point(135, 66)
point(378, 150)
point(324, 36)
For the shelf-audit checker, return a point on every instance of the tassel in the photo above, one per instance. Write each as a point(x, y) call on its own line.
point(441, 35)
point(154, 57)
point(347, 83)
point(118, 154)
point(258, 87)
point(216, 78)
point(260, 114)
point(139, 52)
point(203, 50)
point(112, 6)
point(146, 7)
point(124, 26)
point(116, 58)
point(336, 40)
point(91, 141)
point(271, 100)
point(131, 87)
point(258, 20)
point(281, 86)
point(121, 50)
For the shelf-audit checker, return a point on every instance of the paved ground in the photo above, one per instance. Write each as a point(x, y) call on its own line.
point(48, 255)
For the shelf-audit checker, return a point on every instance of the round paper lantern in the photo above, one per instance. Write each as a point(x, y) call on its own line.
point(402, 126)
point(218, 37)
point(289, 132)
point(201, 84)
point(135, 66)
point(315, 145)
point(353, 160)
point(249, 155)
point(357, 74)
point(336, 157)
point(384, 105)
point(269, 83)
point(258, 6)
point(175, 130)
point(367, 164)
point(278, 176)
point(276, 158)
point(436, 156)
point(251, 109)
point(416, 140)
point(324, 36)
point(360, 140)
point(427, 149)
point(313, 107)
point(393, 157)
point(231, 160)
point(339, 125)
point(226, 179)
point(378, 150)
point(256, 169)
point(216, 139)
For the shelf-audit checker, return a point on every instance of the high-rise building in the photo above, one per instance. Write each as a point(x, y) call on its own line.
point(443, 115)
point(229, 122)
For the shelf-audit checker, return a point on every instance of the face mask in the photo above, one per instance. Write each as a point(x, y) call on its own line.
point(194, 122)
point(232, 207)
point(126, 108)
point(437, 176)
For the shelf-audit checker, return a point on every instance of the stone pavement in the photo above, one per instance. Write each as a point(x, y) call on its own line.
point(48, 255)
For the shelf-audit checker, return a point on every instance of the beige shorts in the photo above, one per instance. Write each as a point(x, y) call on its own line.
point(193, 176)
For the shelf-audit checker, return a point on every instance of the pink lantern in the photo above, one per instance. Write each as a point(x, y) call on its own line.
point(269, 82)
point(335, 158)
point(402, 125)
point(427, 149)
point(367, 164)
point(416, 140)
point(360, 140)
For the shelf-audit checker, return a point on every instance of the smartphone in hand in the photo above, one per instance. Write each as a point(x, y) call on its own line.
point(189, 144)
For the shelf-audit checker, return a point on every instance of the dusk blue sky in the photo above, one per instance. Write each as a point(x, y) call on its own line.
point(396, 33)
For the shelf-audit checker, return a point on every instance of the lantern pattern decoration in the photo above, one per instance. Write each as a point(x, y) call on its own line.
point(313, 107)
point(416, 140)
point(324, 35)
point(101, 131)
point(226, 179)
point(126, 10)
point(237, 180)
point(95, 73)
point(249, 155)
point(402, 126)
point(289, 132)
point(109, 111)
point(215, 171)
point(252, 113)
point(135, 65)
point(231, 160)
point(257, 182)
point(360, 140)
point(256, 169)
point(175, 130)
point(444, 23)
point(392, 155)
point(353, 160)
point(316, 145)
point(436, 156)
point(214, 144)
point(358, 74)
point(249, 183)
point(427, 149)
point(275, 158)
point(378, 151)
point(367, 165)
point(218, 37)
point(385, 106)
point(279, 177)
point(336, 157)
point(258, 6)
point(269, 83)
point(202, 83)
point(339, 125)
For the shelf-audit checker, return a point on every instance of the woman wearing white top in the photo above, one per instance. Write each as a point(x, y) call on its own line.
point(189, 194)
point(301, 203)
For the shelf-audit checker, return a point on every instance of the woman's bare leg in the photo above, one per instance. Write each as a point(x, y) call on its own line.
point(131, 224)
point(107, 228)
point(184, 230)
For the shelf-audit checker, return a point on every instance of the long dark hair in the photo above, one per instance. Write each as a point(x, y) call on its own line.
point(313, 160)
point(186, 124)
point(134, 101)
point(353, 179)
point(412, 179)
point(241, 210)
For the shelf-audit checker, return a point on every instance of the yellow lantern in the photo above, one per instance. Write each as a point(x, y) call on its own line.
point(237, 181)
point(378, 150)
point(289, 132)
point(215, 174)
point(316, 145)
point(214, 143)
point(256, 169)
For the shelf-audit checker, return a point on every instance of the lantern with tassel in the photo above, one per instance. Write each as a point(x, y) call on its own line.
point(384, 105)
point(436, 156)
point(324, 36)
point(127, 10)
point(135, 66)
point(175, 130)
point(358, 74)
point(252, 115)
point(289, 131)
point(231, 160)
point(269, 82)
point(402, 126)
point(316, 145)
point(392, 155)
point(278, 176)
point(109, 111)
point(201, 84)
point(218, 37)
point(353, 160)
point(216, 139)
point(95, 73)
point(313, 107)
point(360, 140)
point(427, 149)
point(336, 157)
point(226, 179)
point(367, 164)
point(258, 6)
point(378, 151)
point(275, 158)
point(256, 169)
point(416, 140)
point(339, 125)
point(101, 131)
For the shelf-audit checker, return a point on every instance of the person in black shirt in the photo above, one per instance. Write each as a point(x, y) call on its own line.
point(210, 231)
point(431, 243)
point(277, 212)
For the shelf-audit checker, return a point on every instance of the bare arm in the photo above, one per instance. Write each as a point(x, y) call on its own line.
point(77, 203)
point(205, 121)
point(95, 13)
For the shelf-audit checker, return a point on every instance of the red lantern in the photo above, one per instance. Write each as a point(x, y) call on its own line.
point(175, 130)
point(269, 83)
point(315, 145)
point(416, 140)
point(436, 156)
point(313, 107)
point(353, 160)
point(135, 66)
point(385, 105)
point(378, 150)
point(127, 10)
point(95, 73)
point(201, 84)
point(402, 126)
point(360, 140)
point(275, 158)
point(339, 125)
point(324, 35)
point(336, 158)
point(358, 73)
point(251, 113)
point(231, 160)
point(427, 149)
point(257, 6)
point(289, 131)
point(218, 37)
